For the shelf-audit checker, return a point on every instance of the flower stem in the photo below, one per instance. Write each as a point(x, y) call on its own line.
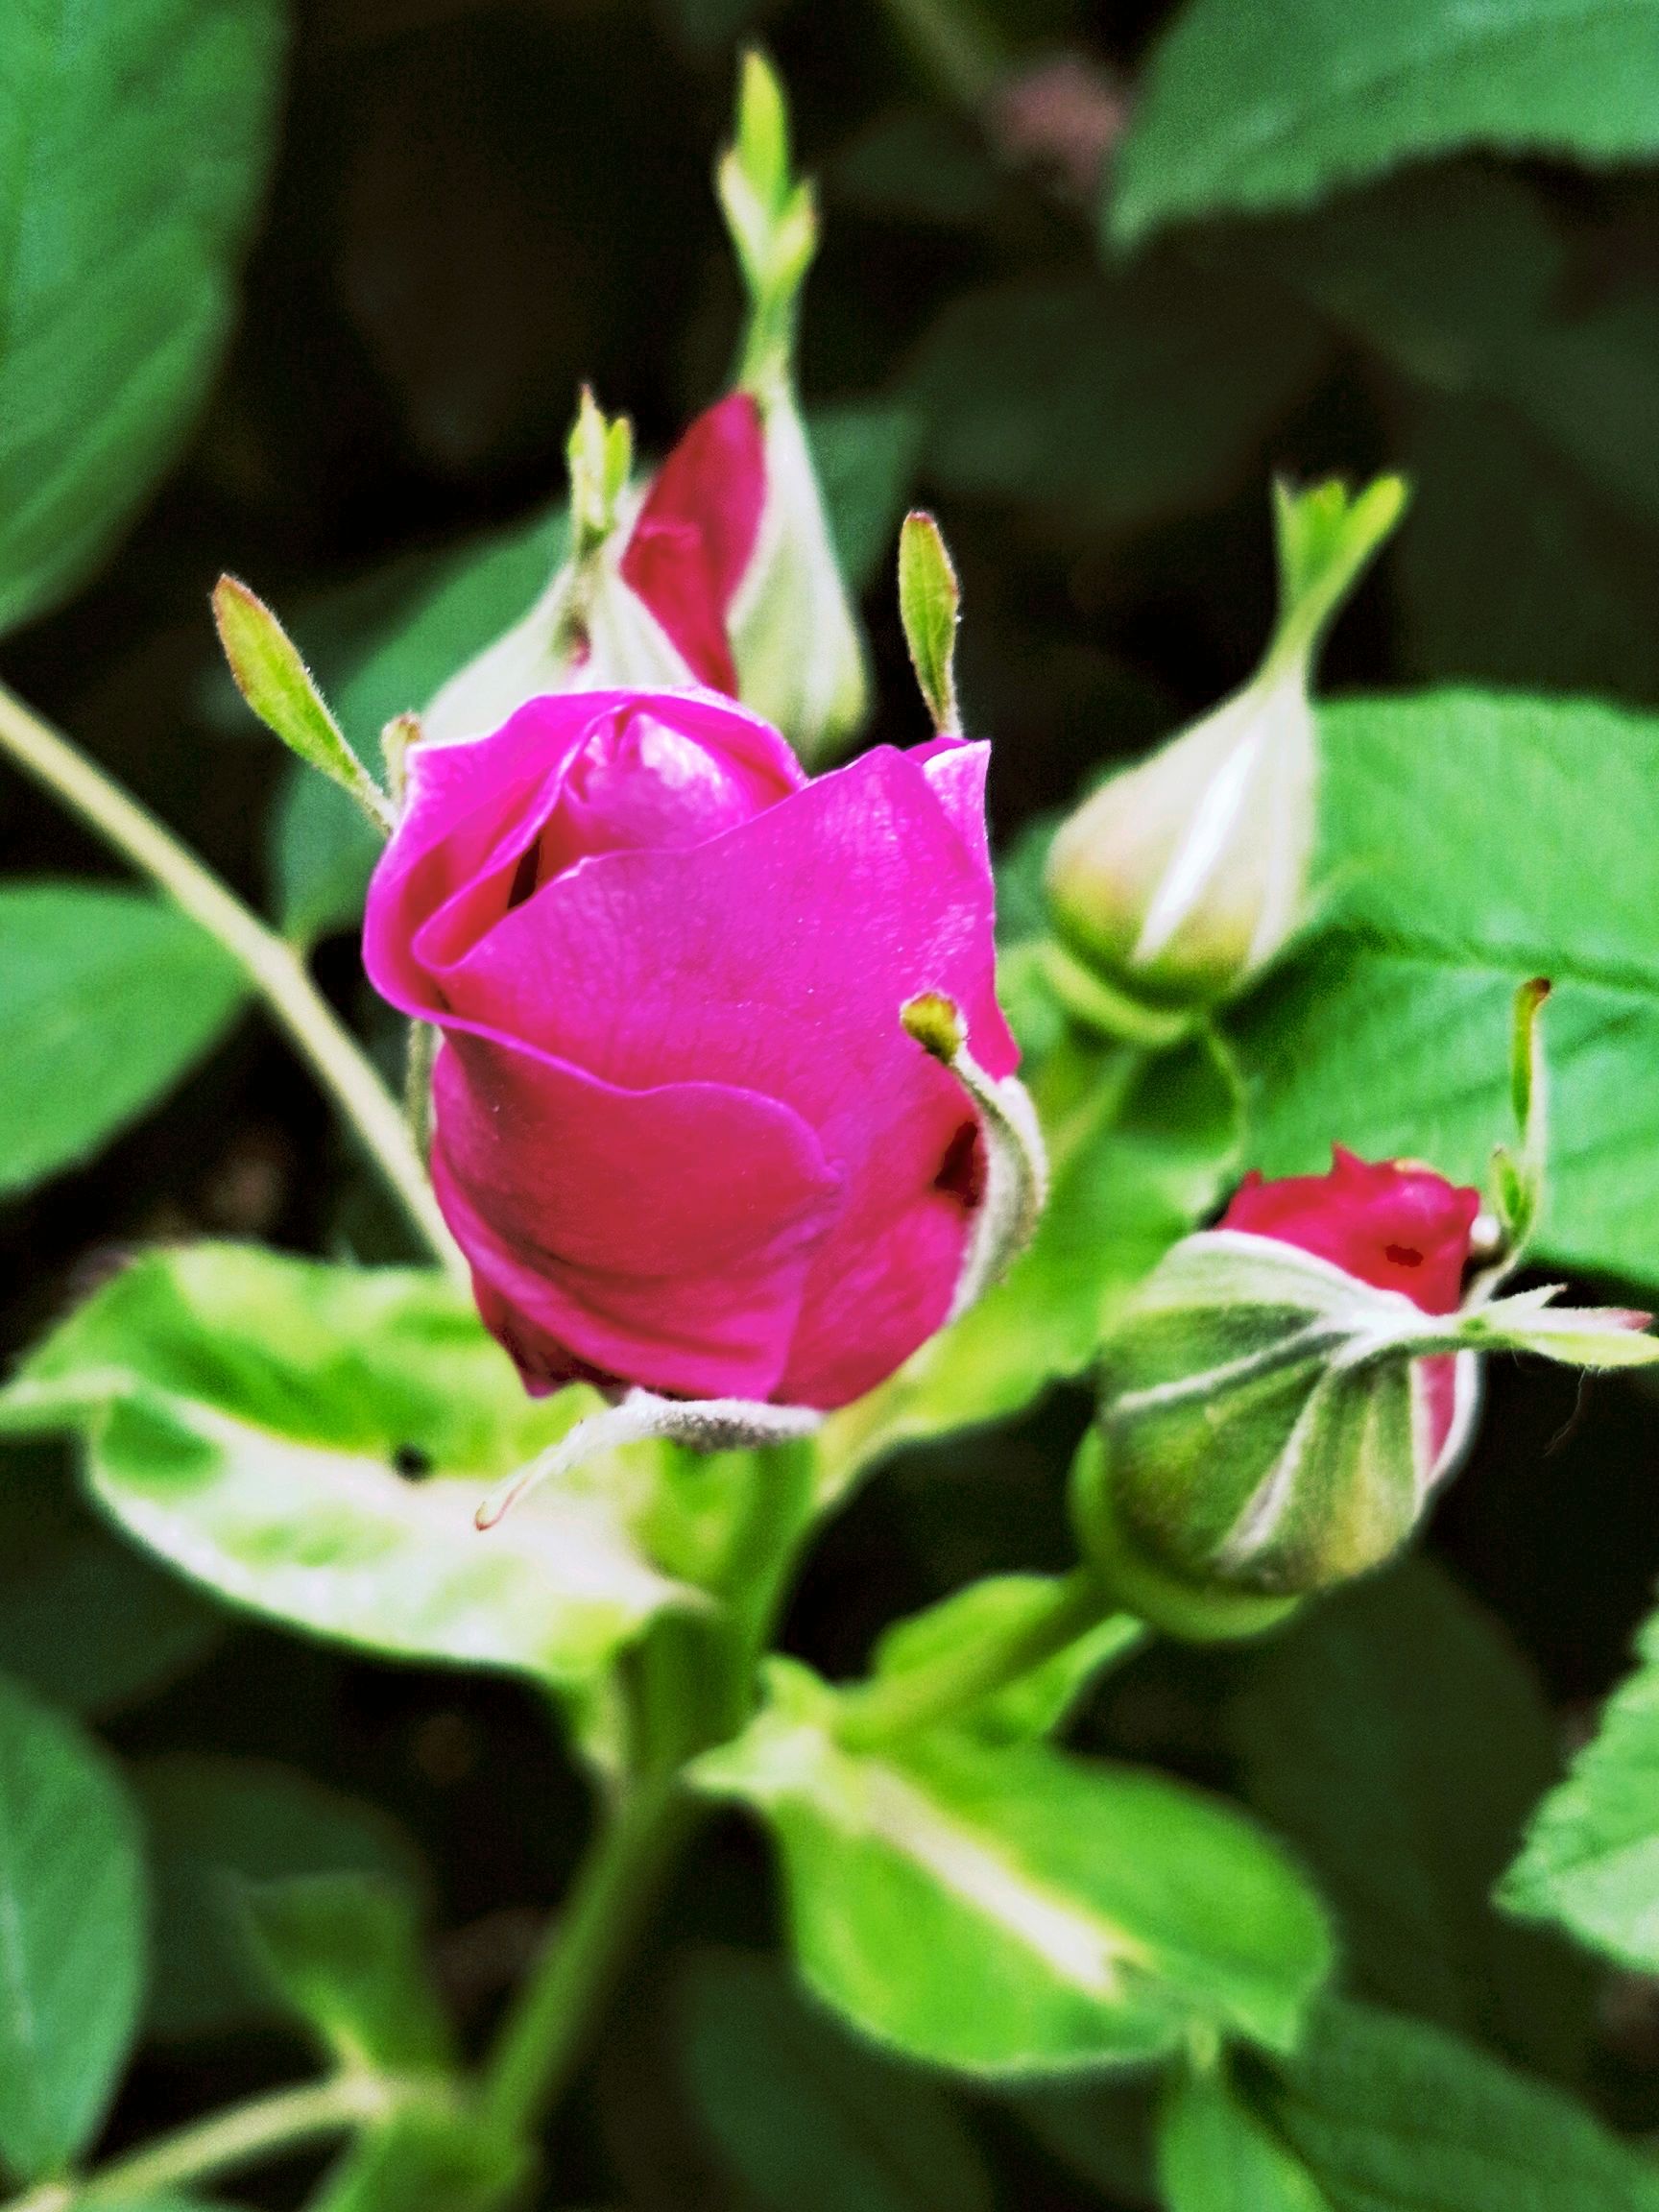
point(273, 967)
point(922, 1696)
point(542, 2038)
point(287, 2120)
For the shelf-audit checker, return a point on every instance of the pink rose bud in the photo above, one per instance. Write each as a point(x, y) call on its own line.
point(1284, 1393)
point(647, 594)
point(682, 1133)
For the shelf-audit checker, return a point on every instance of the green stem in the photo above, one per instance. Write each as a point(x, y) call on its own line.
point(287, 2120)
point(273, 967)
point(924, 1696)
point(542, 2038)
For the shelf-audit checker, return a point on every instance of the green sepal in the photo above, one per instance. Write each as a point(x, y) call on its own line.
point(929, 608)
point(281, 690)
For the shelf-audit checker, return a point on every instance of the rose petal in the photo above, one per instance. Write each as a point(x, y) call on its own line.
point(695, 533)
point(473, 807)
point(662, 1235)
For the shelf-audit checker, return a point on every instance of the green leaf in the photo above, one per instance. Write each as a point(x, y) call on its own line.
point(1460, 278)
point(1214, 2155)
point(1459, 831)
point(1034, 1705)
point(1138, 1150)
point(808, 2120)
point(1591, 1860)
point(1009, 1911)
point(1395, 1736)
point(135, 140)
point(86, 1619)
point(214, 1823)
point(75, 961)
point(247, 1416)
point(345, 1952)
point(1243, 110)
point(1391, 2115)
point(71, 1935)
point(1114, 401)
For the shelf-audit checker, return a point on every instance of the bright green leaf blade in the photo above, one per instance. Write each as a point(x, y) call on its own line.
point(1396, 1737)
point(71, 1935)
point(1216, 2155)
point(1011, 1912)
point(1114, 401)
point(134, 142)
point(85, 1619)
point(344, 1952)
point(1037, 1703)
point(1245, 108)
point(1591, 1860)
point(106, 999)
point(807, 2119)
point(247, 1417)
point(1391, 2115)
point(213, 1822)
point(1139, 1152)
point(1461, 830)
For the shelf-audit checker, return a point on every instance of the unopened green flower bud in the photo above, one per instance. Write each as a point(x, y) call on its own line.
point(1182, 878)
point(1286, 1394)
point(795, 637)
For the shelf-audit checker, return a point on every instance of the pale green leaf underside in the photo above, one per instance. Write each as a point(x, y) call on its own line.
point(1011, 1911)
point(1250, 107)
point(247, 1416)
point(135, 140)
point(1590, 1859)
point(1463, 835)
point(107, 998)
point(71, 1935)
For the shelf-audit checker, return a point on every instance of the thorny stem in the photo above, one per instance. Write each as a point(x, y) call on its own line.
point(273, 967)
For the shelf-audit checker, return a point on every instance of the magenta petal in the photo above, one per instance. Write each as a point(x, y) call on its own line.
point(695, 533)
point(473, 807)
point(776, 958)
point(661, 1236)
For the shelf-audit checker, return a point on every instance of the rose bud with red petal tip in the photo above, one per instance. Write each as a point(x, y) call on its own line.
point(647, 600)
point(682, 1135)
point(1285, 1392)
point(1396, 1225)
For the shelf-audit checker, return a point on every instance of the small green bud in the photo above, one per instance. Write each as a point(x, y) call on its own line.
point(1182, 878)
